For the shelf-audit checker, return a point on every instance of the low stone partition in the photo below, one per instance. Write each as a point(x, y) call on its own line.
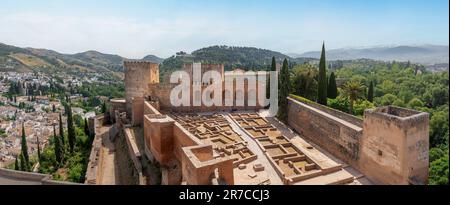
point(290, 163)
point(31, 178)
point(95, 159)
point(199, 165)
point(338, 136)
point(96, 127)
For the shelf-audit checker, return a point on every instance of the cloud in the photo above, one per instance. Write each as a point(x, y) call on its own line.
point(190, 30)
point(163, 37)
point(128, 37)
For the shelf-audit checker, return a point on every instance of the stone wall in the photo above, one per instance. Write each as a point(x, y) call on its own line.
point(128, 174)
point(96, 156)
point(339, 137)
point(162, 92)
point(31, 178)
point(391, 146)
point(337, 113)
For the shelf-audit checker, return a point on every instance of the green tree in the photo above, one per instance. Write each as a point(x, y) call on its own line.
point(283, 92)
point(362, 105)
point(70, 129)
point(388, 99)
point(439, 128)
point(340, 103)
point(353, 91)
point(304, 81)
point(436, 96)
point(61, 130)
point(370, 92)
point(23, 164)
point(38, 149)
point(322, 89)
point(332, 87)
point(439, 171)
point(86, 127)
point(415, 103)
point(16, 165)
point(57, 147)
point(25, 148)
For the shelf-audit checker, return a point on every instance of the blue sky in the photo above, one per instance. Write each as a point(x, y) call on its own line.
point(136, 28)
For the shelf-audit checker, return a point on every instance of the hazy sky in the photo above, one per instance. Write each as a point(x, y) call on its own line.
point(135, 28)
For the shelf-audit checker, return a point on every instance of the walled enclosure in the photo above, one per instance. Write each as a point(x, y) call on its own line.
point(391, 146)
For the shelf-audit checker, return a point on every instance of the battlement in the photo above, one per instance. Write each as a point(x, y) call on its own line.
point(400, 116)
point(138, 62)
point(395, 145)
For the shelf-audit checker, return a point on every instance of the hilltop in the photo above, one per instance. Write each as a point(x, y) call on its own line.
point(28, 59)
point(249, 58)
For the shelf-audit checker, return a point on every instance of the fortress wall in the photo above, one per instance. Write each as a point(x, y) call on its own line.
point(96, 155)
point(127, 174)
point(394, 148)
point(342, 115)
point(162, 93)
point(95, 159)
point(340, 138)
point(390, 148)
point(31, 178)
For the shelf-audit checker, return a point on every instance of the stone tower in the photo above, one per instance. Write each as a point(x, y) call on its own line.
point(394, 146)
point(138, 75)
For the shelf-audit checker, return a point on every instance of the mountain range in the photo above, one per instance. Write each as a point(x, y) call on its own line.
point(424, 54)
point(27, 59)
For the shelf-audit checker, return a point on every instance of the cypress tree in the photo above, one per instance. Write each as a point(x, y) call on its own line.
point(273, 67)
point(61, 130)
point(57, 146)
point(322, 87)
point(23, 166)
point(86, 127)
point(16, 165)
point(332, 87)
point(38, 150)
point(25, 146)
point(283, 92)
point(370, 93)
point(70, 129)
